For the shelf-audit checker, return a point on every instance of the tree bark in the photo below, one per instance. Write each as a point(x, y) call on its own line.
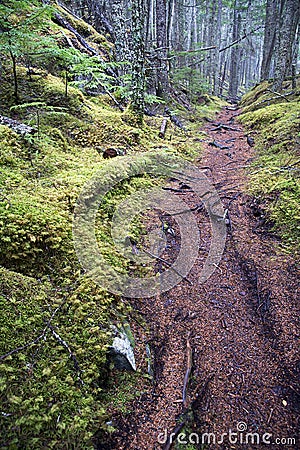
point(269, 38)
point(163, 85)
point(121, 36)
point(138, 61)
point(287, 33)
point(235, 54)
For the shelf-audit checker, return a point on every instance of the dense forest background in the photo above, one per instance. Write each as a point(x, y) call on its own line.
point(222, 47)
point(167, 48)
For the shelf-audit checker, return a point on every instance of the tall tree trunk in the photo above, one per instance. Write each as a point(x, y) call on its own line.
point(163, 86)
point(287, 33)
point(235, 56)
point(118, 11)
point(138, 60)
point(216, 53)
point(269, 37)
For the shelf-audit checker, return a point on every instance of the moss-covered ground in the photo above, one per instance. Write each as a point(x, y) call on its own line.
point(273, 121)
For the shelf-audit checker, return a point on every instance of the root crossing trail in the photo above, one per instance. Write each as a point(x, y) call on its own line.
point(240, 327)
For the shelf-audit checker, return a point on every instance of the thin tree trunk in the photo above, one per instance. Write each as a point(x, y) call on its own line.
point(138, 61)
point(14, 67)
point(235, 56)
point(163, 86)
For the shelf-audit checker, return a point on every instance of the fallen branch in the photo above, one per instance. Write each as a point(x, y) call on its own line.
point(16, 126)
point(65, 24)
point(108, 93)
point(173, 435)
point(219, 126)
point(216, 144)
point(189, 353)
point(167, 264)
point(274, 98)
point(240, 39)
point(184, 417)
point(176, 190)
point(199, 395)
point(174, 119)
point(35, 341)
point(280, 95)
point(72, 356)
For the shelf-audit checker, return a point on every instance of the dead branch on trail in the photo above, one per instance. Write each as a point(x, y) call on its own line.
point(167, 264)
point(189, 353)
point(216, 144)
point(173, 435)
point(200, 393)
point(184, 417)
point(220, 126)
point(180, 190)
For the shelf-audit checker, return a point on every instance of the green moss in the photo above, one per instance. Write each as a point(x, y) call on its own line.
point(49, 399)
point(250, 97)
point(275, 174)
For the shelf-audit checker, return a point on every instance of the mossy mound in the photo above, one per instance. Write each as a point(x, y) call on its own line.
point(275, 175)
point(53, 366)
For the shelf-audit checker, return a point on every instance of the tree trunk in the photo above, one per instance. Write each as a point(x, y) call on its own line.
point(235, 56)
point(138, 61)
point(121, 36)
point(163, 86)
point(287, 33)
point(269, 38)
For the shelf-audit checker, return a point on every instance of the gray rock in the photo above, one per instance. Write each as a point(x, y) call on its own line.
point(121, 350)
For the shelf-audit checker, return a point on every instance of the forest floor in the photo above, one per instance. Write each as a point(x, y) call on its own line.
point(240, 327)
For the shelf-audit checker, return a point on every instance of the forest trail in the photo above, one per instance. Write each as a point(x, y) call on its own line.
point(241, 326)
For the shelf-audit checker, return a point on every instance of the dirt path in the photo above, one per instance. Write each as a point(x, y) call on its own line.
point(242, 325)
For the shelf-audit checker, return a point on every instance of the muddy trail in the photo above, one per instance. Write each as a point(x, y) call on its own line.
point(224, 353)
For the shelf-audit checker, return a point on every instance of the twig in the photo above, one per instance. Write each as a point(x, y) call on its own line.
point(278, 93)
point(240, 39)
point(200, 395)
point(72, 356)
point(182, 191)
point(35, 341)
point(189, 353)
point(168, 264)
point(108, 93)
point(270, 416)
point(173, 435)
point(274, 98)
